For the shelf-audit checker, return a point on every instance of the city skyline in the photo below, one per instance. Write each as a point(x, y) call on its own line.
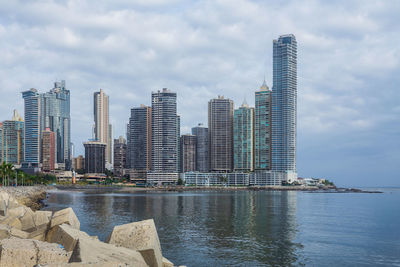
point(339, 134)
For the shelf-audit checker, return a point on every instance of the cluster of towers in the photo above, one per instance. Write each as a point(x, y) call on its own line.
point(43, 138)
point(248, 139)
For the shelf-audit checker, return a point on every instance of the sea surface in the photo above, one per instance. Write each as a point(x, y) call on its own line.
point(252, 228)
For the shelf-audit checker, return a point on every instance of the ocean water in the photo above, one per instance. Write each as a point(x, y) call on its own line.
point(252, 228)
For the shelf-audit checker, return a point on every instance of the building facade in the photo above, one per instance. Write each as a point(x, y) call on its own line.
point(95, 157)
point(12, 140)
point(243, 138)
point(119, 155)
point(48, 150)
point(102, 127)
point(139, 139)
point(188, 152)
point(79, 163)
point(262, 128)
point(220, 132)
point(201, 134)
point(164, 132)
point(284, 104)
point(55, 115)
point(32, 126)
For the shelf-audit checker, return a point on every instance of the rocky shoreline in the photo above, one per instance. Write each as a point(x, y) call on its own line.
point(44, 238)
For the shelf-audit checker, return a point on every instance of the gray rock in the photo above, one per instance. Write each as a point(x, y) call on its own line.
point(66, 216)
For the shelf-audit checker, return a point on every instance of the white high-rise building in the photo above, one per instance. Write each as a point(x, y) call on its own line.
point(102, 127)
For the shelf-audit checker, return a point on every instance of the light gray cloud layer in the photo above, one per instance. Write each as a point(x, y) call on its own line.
point(348, 67)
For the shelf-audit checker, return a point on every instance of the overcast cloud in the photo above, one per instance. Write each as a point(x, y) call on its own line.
point(348, 68)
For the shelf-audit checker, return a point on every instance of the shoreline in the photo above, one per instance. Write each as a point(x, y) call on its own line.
point(131, 189)
point(29, 196)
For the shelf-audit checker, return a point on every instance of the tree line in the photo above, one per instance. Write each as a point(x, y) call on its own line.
point(13, 177)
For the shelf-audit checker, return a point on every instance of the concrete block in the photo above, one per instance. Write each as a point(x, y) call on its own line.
point(18, 233)
point(66, 216)
point(141, 236)
point(7, 232)
point(27, 221)
point(17, 252)
point(167, 263)
point(50, 253)
point(41, 219)
point(3, 207)
point(94, 251)
point(65, 235)
point(12, 222)
point(16, 212)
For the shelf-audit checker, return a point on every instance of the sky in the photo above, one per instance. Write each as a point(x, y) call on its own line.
point(348, 68)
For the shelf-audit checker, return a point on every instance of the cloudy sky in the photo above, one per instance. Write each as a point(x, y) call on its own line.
point(348, 68)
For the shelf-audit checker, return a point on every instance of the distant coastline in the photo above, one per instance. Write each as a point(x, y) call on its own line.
point(131, 189)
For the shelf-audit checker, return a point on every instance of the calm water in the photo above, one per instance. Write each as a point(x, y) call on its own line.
point(247, 228)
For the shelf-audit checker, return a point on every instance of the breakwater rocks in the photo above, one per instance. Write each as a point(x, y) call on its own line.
point(43, 238)
point(29, 196)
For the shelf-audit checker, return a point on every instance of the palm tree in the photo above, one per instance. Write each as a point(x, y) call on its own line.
point(3, 172)
point(9, 171)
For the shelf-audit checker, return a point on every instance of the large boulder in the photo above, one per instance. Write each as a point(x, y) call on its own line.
point(27, 221)
point(141, 236)
point(66, 216)
point(27, 252)
point(92, 251)
point(65, 235)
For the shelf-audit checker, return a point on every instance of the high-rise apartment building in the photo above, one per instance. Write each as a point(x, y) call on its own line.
point(32, 126)
point(262, 128)
point(119, 155)
point(201, 134)
point(220, 132)
point(55, 115)
point(188, 153)
point(139, 139)
point(102, 128)
point(95, 157)
point(48, 150)
point(243, 138)
point(164, 132)
point(284, 105)
point(12, 140)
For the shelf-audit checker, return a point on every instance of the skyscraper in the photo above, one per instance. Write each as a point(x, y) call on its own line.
point(102, 127)
point(262, 128)
point(201, 134)
point(95, 157)
point(55, 115)
point(220, 132)
point(48, 150)
point(188, 153)
point(32, 126)
point(12, 140)
point(139, 138)
point(243, 138)
point(119, 155)
point(164, 132)
point(284, 105)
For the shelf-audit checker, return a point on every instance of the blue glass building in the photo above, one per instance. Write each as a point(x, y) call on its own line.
point(284, 104)
point(243, 141)
point(55, 114)
point(32, 126)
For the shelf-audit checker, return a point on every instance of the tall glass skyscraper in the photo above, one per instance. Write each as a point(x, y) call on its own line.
point(55, 115)
point(220, 134)
point(262, 128)
point(243, 138)
point(32, 126)
point(201, 134)
point(164, 132)
point(284, 104)
point(139, 139)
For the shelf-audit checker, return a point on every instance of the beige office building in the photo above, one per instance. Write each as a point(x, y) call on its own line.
point(102, 127)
